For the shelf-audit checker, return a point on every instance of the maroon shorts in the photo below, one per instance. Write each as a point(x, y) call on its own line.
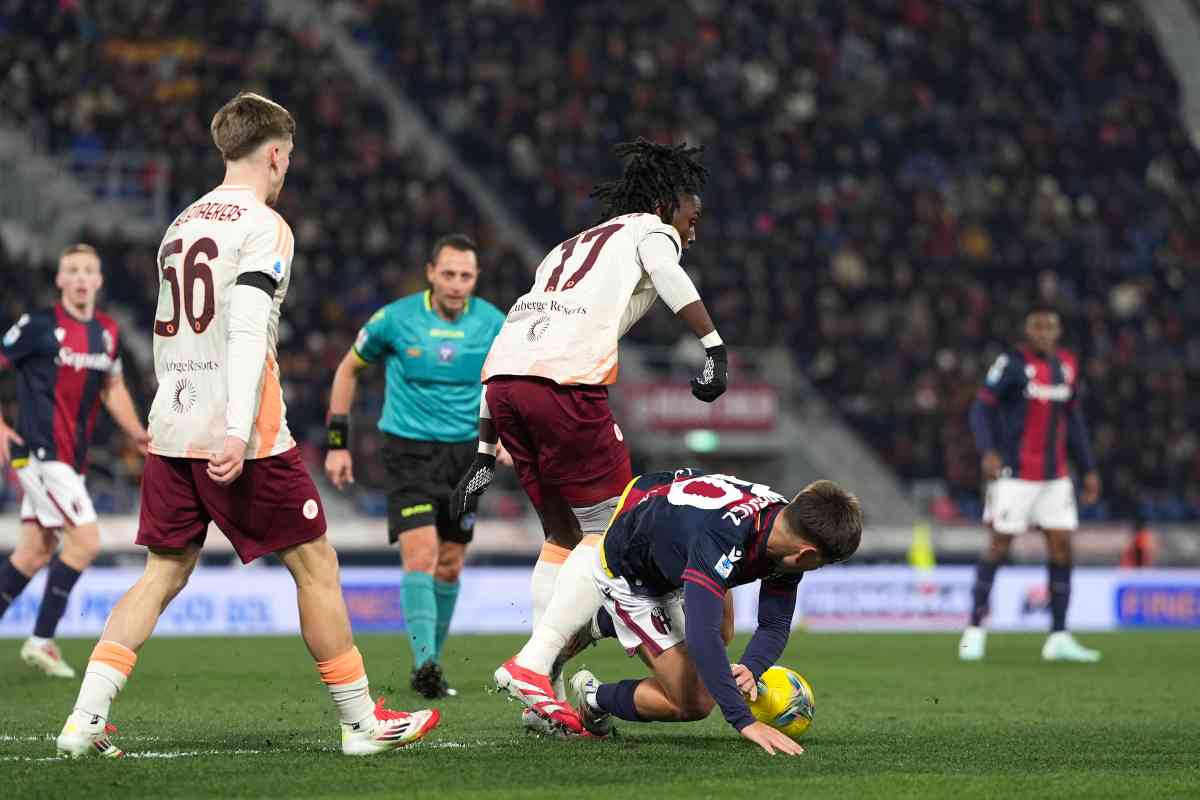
point(271, 506)
point(563, 439)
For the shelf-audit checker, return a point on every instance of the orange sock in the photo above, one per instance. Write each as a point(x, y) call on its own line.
point(553, 554)
point(346, 679)
point(115, 655)
point(107, 669)
point(346, 668)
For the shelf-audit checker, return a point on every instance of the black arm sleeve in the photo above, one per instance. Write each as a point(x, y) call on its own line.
point(259, 280)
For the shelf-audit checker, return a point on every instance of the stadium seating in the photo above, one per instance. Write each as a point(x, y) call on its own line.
point(893, 183)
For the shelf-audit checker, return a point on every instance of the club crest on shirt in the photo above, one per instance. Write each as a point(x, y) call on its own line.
point(184, 397)
point(109, 344)
point(60, 334)
point(538, 328)
point(446, 353)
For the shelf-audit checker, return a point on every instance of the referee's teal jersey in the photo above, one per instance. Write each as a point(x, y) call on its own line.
point(433, 366)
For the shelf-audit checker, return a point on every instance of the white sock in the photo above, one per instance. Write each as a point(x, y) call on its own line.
point(353, 700)
point(575, 600)
point(38, 641)
point(101, 684)
point(541, 586)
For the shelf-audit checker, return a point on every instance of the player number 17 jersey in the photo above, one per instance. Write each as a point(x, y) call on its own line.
point(586, 293)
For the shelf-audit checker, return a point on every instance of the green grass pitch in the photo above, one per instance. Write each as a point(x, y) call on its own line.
point(897, 716)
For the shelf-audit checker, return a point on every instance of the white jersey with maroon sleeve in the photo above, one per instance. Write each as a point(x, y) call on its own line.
point(587, 292)
point(225, 234)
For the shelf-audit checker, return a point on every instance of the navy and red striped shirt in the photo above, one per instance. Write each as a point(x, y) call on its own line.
point(61, 364)
point(1028, 411)
point(706, 534)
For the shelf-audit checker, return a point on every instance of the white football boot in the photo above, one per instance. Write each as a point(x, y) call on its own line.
point(44, 655)
point(597, 723)
point(973, 643)
point(87, 734)
point(535, 723)
point(1061, 646)
point(387, 730)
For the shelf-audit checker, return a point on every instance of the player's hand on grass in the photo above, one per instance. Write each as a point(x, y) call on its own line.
point(227, 466)
point(745, 681)
point(465, 499)
point(8, 437)
point(714, 375)
point(771, 740)
point(339, 468)
point(991, 466)
point(1091, 488)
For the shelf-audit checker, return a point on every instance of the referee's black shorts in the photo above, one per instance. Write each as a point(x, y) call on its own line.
point(421, 477)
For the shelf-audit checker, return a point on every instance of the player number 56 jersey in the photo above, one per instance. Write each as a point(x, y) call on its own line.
point(226, 233)
point(586, 293)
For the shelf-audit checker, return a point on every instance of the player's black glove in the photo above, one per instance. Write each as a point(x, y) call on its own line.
point(474, 483)
point(714, 375)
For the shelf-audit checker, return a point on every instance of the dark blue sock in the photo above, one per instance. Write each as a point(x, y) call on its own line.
point(59, 583)
point(985, 576)
point(617, 699)
point(1060, 595)
point(12, 583)
point(605, 624)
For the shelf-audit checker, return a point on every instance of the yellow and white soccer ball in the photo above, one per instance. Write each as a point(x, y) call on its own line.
point(785, 701)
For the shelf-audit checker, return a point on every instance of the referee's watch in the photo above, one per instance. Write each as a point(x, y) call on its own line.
point(337, 436)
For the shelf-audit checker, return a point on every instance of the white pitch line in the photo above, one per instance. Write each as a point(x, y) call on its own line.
point(219, 752)
point(50, 737)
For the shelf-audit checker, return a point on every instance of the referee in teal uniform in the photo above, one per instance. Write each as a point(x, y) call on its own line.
point(433, 343)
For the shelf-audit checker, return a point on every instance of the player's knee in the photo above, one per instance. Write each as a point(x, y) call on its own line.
point(419, 550)
point(448, 570)
point(82, 545)
point(30, 558)
point(313, 562)
point(695, 708)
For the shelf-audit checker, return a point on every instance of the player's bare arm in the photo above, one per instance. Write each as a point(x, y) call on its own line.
point(116, 399)
point(339, 464)
point(8, 437)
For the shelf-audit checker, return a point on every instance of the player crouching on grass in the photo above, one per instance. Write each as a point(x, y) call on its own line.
point(220, 447)
point(681, 540)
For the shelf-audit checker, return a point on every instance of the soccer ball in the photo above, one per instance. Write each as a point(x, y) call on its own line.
point(785, 701)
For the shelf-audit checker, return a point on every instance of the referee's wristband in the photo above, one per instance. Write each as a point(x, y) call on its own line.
point(337, 437)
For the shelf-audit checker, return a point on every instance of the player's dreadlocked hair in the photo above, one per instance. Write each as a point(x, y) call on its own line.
point(654, 176)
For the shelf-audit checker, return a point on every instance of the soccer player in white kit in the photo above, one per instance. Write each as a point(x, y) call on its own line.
point(220, 448)
point(547, 373)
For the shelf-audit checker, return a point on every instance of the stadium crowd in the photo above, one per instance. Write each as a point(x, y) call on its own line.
point(893, 183)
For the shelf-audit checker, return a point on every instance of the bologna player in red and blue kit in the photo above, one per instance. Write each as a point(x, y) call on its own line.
point(1026, 420)
point(66, 363)
point(680, 540)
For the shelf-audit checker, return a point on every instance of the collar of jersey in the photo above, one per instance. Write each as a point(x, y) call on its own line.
point(429, 306)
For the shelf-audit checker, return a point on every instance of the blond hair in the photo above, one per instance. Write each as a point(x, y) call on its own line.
point(247, 121)
point(78, 247)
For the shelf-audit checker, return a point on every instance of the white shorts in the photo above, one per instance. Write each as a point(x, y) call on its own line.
point(655, 623)
point(1014, 506)
point(55, 495)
